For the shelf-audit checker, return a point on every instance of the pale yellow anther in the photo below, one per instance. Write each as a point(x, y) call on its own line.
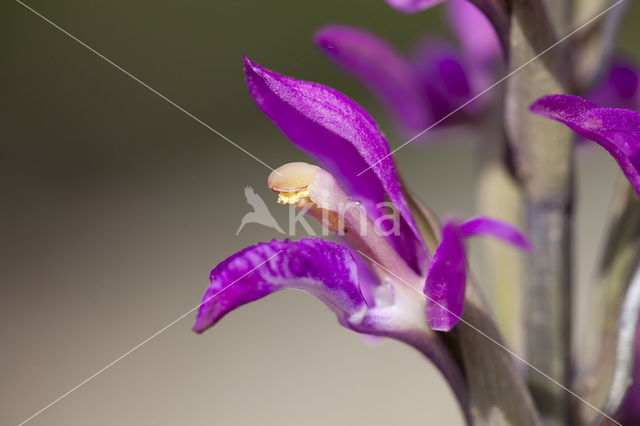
point(292, 177)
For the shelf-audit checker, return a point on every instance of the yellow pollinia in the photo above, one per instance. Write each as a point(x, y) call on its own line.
point(293, 197)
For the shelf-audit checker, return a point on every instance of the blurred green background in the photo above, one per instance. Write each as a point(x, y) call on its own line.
point(116, 205)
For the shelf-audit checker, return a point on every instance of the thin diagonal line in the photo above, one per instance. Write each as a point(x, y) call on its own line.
point(136, 347)
point(563, 39)
point(145, 85)
point(509, 351)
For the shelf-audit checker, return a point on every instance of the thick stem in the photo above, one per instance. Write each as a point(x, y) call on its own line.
point(548, 307)
point(498, 395)
point(543, 158)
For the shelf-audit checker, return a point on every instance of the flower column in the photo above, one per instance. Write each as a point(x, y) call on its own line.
point(542, 155)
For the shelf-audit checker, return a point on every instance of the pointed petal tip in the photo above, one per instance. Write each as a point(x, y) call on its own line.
point(254, 68)
point(482, 225)
point(250, 66)
point(324, 269)
point(247, 62)
point(617, 130)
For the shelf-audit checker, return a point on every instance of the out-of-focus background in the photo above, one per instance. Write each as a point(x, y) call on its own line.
point(115, 206)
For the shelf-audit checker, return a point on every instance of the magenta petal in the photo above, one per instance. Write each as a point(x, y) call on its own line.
point(381, 68)
point(323, 269)
point(446, 281)
point(481, 225)
point(616, 130)
point(412, 6)
point(344, 138)
point(478, 37)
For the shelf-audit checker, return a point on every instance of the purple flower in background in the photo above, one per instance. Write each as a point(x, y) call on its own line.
point(376, 283)
point(496, 12)
point(615, 129)
point(438, 78)
point(620, 87)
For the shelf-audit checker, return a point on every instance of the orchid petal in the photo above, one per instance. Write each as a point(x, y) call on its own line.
point(620, 88)
point(323, 269)
point(446, 280)
point(478, 37)
point(616, 130)
point(344, 138)
point(481, 225)
point(413, 6)
point(381, 68)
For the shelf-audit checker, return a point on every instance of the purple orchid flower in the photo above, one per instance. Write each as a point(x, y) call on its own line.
point(615, 129)
point(381, 284)
point(437, 80)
